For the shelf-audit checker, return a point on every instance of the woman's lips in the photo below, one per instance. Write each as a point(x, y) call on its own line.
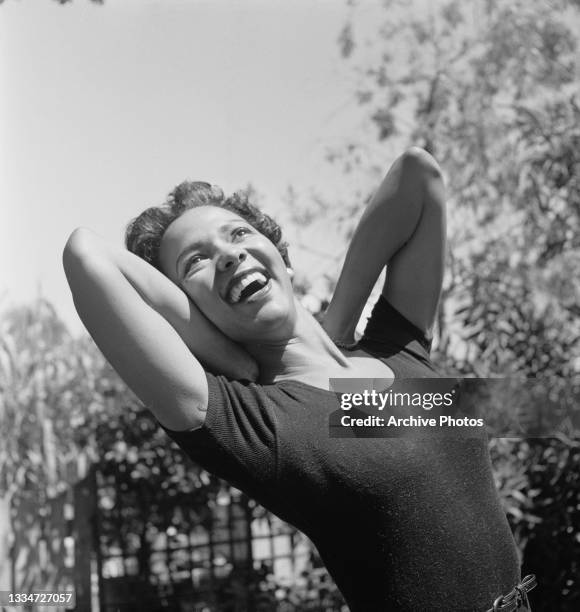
point(239, 286)
point(257, 295)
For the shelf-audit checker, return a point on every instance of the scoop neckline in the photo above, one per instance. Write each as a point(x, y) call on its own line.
point(306, 385)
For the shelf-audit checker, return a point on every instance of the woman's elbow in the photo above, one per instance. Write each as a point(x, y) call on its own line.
point(78, 242)
point(420, 161)
point(80, 252)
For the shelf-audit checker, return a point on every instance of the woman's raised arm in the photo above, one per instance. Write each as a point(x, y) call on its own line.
point(147, 328)
point(403, 228)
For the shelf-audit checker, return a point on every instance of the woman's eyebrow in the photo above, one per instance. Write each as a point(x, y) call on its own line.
point(229, 224)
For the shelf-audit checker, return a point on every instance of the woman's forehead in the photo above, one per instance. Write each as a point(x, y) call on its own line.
point(200, 221)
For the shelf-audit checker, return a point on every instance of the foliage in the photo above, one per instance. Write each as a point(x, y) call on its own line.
point(539, 482)
point(48, 380)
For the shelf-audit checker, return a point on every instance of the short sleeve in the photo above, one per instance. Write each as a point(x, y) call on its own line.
point(386, 324)
point(392, 337)
point(238, 440)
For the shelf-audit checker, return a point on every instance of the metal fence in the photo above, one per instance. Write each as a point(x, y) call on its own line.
point(230, 555)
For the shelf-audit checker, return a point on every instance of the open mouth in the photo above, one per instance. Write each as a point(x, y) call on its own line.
point(247, 286)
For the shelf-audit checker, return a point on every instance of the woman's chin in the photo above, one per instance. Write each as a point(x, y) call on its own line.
point(272, 323)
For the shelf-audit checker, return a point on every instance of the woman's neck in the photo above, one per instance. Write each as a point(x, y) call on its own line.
point(306, 352)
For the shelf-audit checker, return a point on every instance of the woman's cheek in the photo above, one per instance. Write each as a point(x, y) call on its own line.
point(194, 291)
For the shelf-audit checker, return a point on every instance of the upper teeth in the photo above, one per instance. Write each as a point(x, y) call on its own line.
point(241, 283)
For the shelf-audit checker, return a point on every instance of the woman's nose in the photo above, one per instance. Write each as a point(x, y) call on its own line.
point(231, 257)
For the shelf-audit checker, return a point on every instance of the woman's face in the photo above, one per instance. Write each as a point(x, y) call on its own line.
point(232, 273)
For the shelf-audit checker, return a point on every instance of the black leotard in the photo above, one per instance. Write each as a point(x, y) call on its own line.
point(401, 524)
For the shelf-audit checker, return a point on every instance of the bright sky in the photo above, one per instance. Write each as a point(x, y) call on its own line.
point(105, 108)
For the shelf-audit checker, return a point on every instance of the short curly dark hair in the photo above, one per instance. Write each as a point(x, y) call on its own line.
point(144, 233)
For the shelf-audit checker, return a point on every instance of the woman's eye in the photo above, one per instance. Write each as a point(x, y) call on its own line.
point(240, 232)
point(194, 259)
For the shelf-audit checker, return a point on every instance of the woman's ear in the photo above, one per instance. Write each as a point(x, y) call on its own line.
point(290, 273)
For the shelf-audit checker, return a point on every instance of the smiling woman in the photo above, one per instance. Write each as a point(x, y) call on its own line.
point(209, 245)
point(233, 273)
point(402, 524)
